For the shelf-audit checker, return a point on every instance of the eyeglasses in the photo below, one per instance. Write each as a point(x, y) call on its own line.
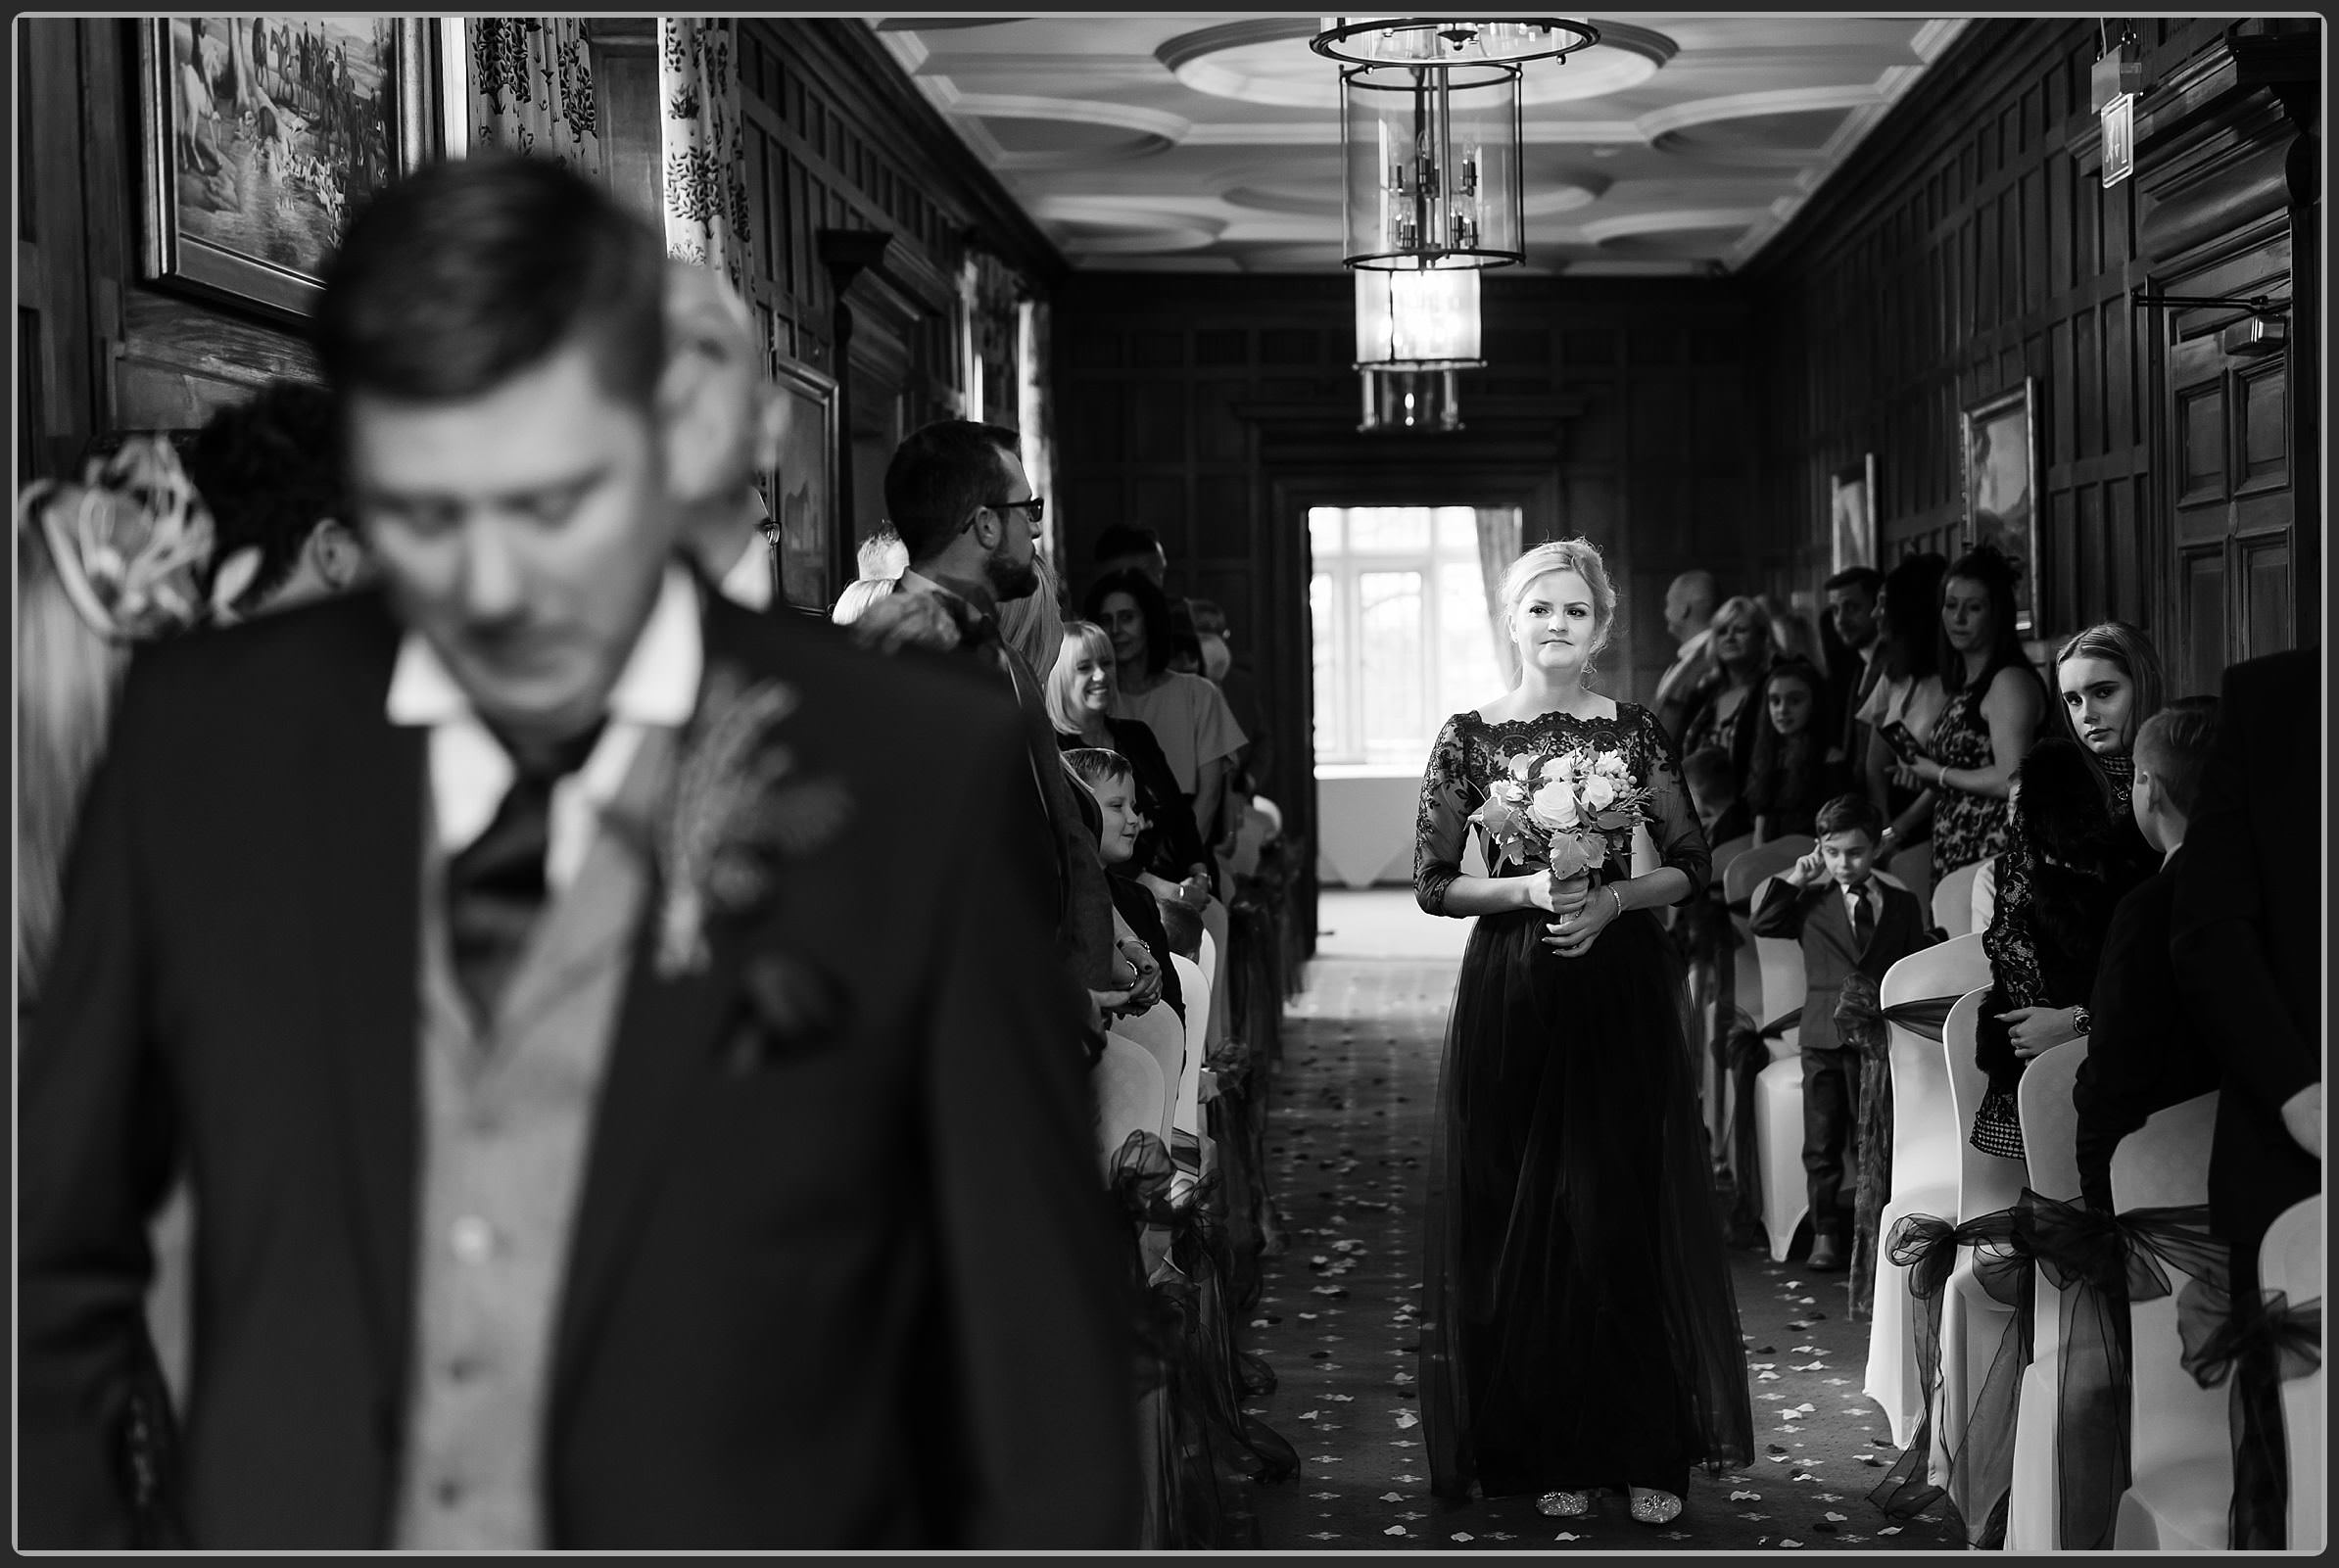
point(1036, 509)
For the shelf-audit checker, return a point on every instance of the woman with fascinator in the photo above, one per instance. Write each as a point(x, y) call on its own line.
point(1580, 1331)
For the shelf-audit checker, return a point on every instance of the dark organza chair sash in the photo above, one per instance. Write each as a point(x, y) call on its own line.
point(2258, 1341)
point(1924, 1014)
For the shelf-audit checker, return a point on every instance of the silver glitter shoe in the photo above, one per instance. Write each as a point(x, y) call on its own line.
point(1565, 1504)
point(1652, 1508)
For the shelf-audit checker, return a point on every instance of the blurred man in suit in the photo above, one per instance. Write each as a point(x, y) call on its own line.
point(1690, 601)
point(596, 1145)
point(1855, 657)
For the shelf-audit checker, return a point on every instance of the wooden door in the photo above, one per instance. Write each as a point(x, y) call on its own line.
point(2232, 485)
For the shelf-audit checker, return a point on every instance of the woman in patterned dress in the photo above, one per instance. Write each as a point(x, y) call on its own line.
point(1992, 713)
point(1580, 1329)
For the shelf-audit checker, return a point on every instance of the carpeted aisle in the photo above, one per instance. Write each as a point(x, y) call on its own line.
point(1347, 1141)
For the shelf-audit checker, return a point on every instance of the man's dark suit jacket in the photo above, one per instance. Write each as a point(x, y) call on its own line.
point(2143, 1050)
point(855, 1286)
point(2247, 940)
point(1816, 917)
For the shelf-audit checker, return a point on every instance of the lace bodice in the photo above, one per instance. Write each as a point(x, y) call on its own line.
point(1470, 750)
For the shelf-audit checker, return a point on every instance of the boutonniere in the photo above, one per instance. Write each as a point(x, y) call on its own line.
point(740, 807)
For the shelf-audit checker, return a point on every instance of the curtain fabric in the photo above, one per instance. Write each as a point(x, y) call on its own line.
point(703, 146)
point(1035, 413)
point(1497, 547)
point(531, 89)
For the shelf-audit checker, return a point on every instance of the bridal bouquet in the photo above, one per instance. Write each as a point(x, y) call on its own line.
point(1574, 811)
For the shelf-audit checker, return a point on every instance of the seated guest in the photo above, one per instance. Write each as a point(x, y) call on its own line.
point(1849, 922)
point(2046, 933)
point(2107, 683)
point(1713, 790)
point(1186, 713)
point(2143, 1052)
point(1169, 859)
point(1729, 702)
point(1111, 781)
point(1791, 776)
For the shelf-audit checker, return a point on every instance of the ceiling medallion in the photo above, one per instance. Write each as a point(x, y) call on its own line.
point(1451, 40)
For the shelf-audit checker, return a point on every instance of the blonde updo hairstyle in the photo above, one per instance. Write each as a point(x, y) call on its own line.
point(1578, 556)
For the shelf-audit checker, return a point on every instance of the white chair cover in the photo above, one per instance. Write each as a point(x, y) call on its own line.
point(2050, 1152)
point(2291, 1260)
point(1954, 900)
point(1129, 1095)
point(1925, 1138)
point(1160, 1031)
point(2180, 1447)
point(1187, 1118)
point(1973, 1323)
point(1986, 892)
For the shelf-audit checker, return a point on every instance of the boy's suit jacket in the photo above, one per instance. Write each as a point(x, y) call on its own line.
point(1816, 916)
point(854, 1285)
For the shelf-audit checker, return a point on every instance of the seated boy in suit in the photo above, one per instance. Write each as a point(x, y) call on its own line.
point(1848, 920)
point(2143, 1053)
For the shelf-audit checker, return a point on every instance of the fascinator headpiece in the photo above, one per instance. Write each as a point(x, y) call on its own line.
point(131, 542)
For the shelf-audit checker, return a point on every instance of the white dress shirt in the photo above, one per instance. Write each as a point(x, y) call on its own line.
point(470, 772)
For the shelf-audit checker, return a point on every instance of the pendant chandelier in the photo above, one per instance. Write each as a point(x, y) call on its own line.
point(1451, 40)
point(1421, 320)
point(1433, 166)
point(1410, 400)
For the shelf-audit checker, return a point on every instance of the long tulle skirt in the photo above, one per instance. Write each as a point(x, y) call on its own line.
point(1580, 1329)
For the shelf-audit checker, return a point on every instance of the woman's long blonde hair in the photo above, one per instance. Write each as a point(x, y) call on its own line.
point(67, 676)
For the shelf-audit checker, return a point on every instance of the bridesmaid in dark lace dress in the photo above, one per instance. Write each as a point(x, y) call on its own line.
point(1580, 1328)
point(1994, 707)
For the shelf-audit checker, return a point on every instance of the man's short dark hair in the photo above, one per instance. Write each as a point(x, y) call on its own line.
point(270, 471)
point(939, 475)
point(1125, 539)
point(1707, 768)
point(1850, 814)
point(456, 279)
point(1153, 608)
point(1867, 579)
point(2174, 747)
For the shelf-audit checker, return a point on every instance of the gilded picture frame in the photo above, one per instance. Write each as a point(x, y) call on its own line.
point(1998, 445)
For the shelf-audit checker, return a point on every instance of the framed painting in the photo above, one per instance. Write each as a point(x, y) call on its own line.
point(799, 495)
point(1999, 439)
point(262, 133)
point(1851, 514)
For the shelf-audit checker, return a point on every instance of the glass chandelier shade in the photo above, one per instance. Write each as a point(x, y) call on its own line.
point(1451, 40)
point(1409, 400)
point(1421, 320)
point(1433, 166)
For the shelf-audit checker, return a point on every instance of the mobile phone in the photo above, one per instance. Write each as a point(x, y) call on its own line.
point(1904, 744)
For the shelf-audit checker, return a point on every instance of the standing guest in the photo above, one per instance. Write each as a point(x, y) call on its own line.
point(1729, 707)
point(1904, 703)
point(1186, 714)
point(956, 491)
point(1690, 600)
point(2143, 1050)
point(1033, 624)
point(1849, 922)
point(2046, 931)
point(555, 1192)
point(269, 473)
point(858, 596)
point(714, 459)
point(1722, 810)
point(1855, 661)
point(1253, 765)
point(1169, 859)
point(2108, 679)
point(1791, 776)
point(2249, 951)
point(1129, 548)
point(1990, 715)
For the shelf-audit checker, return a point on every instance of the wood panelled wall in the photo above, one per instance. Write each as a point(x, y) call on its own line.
point(1217, 409)
point(1971, 243)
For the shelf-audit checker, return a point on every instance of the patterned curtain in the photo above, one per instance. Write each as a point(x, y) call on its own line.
point(531, 89)
point(1499, 534)
point(703, 146)
point(1036, 416)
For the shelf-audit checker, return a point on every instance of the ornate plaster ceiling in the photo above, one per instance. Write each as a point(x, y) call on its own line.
point(1678, 144)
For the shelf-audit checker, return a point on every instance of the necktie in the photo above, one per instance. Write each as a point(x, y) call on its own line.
point(1863, 915)
point(495, 887)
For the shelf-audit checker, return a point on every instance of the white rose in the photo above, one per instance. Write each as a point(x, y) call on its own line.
point(1599, 794)
point(1556, 805)
point(1611, 763)
point(1522, 767)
